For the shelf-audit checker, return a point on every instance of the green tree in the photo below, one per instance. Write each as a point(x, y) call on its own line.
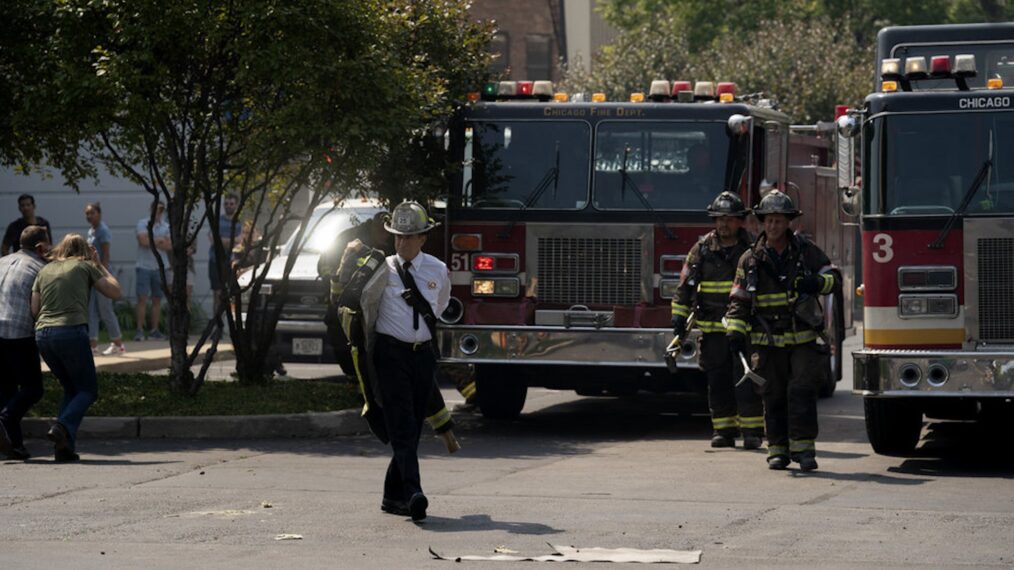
point(194, 99)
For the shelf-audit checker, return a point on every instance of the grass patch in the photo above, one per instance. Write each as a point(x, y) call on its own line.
point(145, 395)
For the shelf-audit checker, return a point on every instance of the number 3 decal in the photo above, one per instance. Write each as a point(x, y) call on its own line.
point(884, 253)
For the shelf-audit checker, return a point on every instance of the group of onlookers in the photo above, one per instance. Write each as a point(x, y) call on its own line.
point(45, 296)
point(48, 309)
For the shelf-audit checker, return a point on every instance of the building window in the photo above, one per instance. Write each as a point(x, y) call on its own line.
point(538, 57)
point(500, 48)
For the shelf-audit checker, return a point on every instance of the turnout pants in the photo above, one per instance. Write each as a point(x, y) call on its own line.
point(405, 378)
point(734, 409)
point(790, 397)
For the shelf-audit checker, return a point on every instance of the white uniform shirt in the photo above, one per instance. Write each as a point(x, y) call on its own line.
point(394, 317)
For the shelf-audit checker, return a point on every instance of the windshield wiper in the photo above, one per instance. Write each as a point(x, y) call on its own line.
point(626, 182)
point(552, 176)
point(981, 177)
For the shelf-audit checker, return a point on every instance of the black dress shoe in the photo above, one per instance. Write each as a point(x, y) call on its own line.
point(66, 456)
point(394, 507)
point(417, 506)
point(59, 436)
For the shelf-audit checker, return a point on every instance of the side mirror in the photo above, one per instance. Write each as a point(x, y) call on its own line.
point(848, 126)
point(851, 199)
point(739, 125)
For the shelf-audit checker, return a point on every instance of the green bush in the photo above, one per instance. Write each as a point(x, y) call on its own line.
point(147, 395)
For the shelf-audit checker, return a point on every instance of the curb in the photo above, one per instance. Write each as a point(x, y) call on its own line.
point(149, 364)
point(276, 426)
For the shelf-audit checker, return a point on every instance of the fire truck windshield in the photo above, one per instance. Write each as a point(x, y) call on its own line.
point(506, 163)
point(925, 163)
point(676, 166)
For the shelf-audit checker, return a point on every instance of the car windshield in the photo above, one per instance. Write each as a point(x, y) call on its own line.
point(676, 166)
point(507, 163)
point(926, 163)
point(326, 224)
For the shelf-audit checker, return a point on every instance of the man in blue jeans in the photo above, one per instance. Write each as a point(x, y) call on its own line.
point(148, 281)
point(21, 381)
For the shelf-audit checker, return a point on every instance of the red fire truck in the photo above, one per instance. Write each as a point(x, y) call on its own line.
point(935, 201)
point(570, 218)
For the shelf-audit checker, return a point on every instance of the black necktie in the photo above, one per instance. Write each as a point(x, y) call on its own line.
point(410, 281)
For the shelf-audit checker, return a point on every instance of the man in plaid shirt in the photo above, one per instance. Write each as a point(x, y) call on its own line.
point(21, 383)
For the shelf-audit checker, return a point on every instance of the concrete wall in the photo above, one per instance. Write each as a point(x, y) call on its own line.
point(123, 204)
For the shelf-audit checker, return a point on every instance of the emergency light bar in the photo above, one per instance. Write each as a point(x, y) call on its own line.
point(659, 90)
point(704, 90)
point(726, 91)
point(940, 67)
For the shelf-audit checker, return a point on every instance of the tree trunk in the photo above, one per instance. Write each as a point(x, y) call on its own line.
point(181, 378)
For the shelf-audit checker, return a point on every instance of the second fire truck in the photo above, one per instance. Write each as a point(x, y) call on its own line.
point(569, 221)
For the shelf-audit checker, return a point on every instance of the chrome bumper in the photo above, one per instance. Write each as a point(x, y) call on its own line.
point(899, 373)
point(305, 327)
point(562, 346)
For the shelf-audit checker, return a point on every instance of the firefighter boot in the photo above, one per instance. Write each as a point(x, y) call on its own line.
point(719, 440)
point(778, 462)
point(751, 441)
point(807, 460)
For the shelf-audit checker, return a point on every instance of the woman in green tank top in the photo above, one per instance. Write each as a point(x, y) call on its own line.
point(60, 305)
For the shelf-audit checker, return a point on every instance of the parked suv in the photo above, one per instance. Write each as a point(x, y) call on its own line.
point(301, 335)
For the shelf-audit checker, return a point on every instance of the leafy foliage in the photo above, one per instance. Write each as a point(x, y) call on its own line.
point(265, 99)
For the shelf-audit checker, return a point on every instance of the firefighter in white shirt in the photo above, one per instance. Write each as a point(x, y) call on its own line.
point(418, 288)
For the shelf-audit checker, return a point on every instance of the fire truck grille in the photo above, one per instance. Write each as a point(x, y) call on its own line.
point(590, 271)
point(996, 289)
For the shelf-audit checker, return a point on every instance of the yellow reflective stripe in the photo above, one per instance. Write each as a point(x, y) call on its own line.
point(800, 445)
point(776, 450)
point(785, 339)
point(681, 310)
point(769, 296)
point(359, 376)
point(750, 422)
point(828, 283)
point(710, 326)
point(736, 325)
point(468, 390)
point(438, 419)
point(715, 287)
point(725, 423)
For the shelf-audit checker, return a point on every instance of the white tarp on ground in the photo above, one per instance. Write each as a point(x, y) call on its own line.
point(571, 554)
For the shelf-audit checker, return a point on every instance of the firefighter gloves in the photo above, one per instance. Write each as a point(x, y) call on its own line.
point(808, 284)
point(737, 342)
point(679, 325)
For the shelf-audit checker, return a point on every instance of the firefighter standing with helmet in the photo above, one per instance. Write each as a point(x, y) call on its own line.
point(774, 299)
point(705, 283)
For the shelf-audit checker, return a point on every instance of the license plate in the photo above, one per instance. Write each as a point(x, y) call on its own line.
point(308, 346)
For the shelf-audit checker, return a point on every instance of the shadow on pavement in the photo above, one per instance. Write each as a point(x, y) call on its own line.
point(961, 449)
point(861, 477)
point(484, 523)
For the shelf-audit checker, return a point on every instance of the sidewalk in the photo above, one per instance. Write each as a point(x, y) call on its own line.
point(148, 355)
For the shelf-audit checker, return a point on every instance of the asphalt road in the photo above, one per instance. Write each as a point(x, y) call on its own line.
point(631, 472)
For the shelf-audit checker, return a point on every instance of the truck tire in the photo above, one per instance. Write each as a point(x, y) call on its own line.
point(500, 391)
point(892, 425)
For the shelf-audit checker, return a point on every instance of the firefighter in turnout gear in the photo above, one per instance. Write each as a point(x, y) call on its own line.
point(704, 287)
point(774, 300)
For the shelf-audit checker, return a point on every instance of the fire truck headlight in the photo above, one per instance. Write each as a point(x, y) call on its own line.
point(915, 306)
point(916, 277)
point(498, 287)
